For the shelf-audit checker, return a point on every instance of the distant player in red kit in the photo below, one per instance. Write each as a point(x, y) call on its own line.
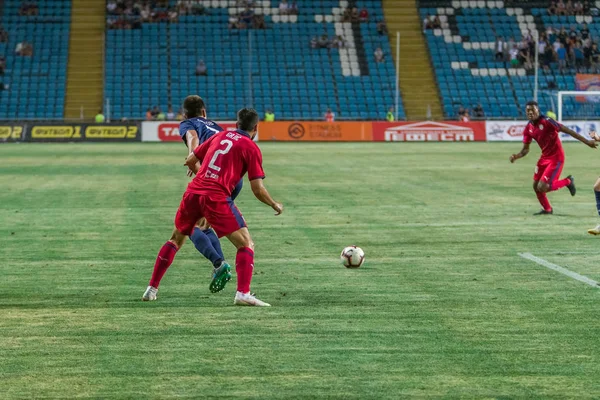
point(225, 158)
point(545, 131)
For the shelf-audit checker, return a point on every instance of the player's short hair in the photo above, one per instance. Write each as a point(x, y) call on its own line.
point(193, 106)
point(532, 103)
point(247, 119)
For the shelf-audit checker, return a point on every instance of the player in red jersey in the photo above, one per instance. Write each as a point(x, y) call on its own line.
point(225, 158)
point(545, 131)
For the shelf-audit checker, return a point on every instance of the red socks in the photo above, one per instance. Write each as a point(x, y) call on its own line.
point(543, 199)
point(244, 266)
point(560, 184)
point(163, 262)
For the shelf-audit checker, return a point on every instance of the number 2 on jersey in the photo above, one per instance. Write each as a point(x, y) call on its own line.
point(228, 144)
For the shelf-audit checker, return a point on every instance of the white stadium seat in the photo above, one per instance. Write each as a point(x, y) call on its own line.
point(318, 18)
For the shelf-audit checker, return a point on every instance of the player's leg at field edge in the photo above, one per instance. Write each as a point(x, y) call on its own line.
point(205, 245)
point(596, 230)
point(244, 260)
point(541, 195)
point(597, 193)
point(165, 257)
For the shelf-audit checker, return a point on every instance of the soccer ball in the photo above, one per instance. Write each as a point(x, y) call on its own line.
point(352, 257)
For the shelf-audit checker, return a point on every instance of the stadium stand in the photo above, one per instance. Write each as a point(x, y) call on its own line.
point(153, 63)
point(34, 86)
point(463, 55)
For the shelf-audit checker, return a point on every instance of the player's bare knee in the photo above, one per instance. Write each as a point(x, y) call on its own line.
point(241, 238)
point(597, 186)
point(543, 187)
point(177, 238)
point(535, 186)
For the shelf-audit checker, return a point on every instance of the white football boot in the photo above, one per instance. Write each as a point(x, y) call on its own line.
point(150, 294)
point(594, 231)
point(248, 299)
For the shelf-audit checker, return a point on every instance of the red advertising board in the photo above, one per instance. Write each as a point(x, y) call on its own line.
point(429, 131)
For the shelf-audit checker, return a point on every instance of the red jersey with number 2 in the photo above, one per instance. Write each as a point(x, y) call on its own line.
point(225, 158)
point(546, 133)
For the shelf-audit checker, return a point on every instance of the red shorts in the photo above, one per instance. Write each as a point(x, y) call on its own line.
point(547, 170)
point(221, 214)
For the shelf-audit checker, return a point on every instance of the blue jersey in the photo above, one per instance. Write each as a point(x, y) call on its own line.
point(205, 128)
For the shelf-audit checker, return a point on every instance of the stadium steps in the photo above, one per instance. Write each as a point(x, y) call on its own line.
point(417, 83)
point(85, 73)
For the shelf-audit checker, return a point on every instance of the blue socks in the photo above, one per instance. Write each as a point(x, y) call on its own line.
point(204, 244)
point(597, 201)
point(214, 240)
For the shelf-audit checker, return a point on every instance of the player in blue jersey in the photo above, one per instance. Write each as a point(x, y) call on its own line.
point(195, 130)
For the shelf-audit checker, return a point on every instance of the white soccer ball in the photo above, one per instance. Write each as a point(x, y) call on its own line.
point(352, 257)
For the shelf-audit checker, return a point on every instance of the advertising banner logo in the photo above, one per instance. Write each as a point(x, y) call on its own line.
point(316, 131)
point(429, 131)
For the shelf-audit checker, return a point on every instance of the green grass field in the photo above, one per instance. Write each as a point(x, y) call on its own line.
point(443, 307)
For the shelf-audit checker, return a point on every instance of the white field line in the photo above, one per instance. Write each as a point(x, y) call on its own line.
point(562, 270)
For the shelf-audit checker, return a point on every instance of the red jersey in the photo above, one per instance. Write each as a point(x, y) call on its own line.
point(545, 131)
point(225, 159)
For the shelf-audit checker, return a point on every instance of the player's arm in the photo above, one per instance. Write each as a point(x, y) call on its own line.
point(524, 151)
point(262, 194)
point(590, 142)
point(192, 140)
point(196, 156)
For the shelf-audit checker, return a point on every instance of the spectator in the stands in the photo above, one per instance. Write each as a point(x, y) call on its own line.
point(179, 116)
point(2, 65)
point(339, 42)
point(478, 112)
point(595, 58)
point(24, 49)
point(561, 9)
point(578, 56)
point(293, 10)
point(355, 16)
point(173, 15)
point(461, 112)
point(323, 42)
point(437, 22)
point(347, 15)
point(29, 9)
point(258, 22)
point(428, 23)
point(500, 48)
point(514, 56)
point(170, 114)
point(161, 116)
point(569, 7)
point(3, 35)
point(549, 56)
point(235, 23)
point(284, 7)
point(363, 15)
point(584, 32)
point(149, 116)
point(562, 58)
point(578, 8)
point(509, 44)
point(542, 46)
point(269, 116)
point(145, 14)
point(329, 115)
point(382, 28)
point(389, 117)
point(155, 111)
point(99, 119)
point(379, 56)
point(111, 7)
point(247, 16)
point(201, 69)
